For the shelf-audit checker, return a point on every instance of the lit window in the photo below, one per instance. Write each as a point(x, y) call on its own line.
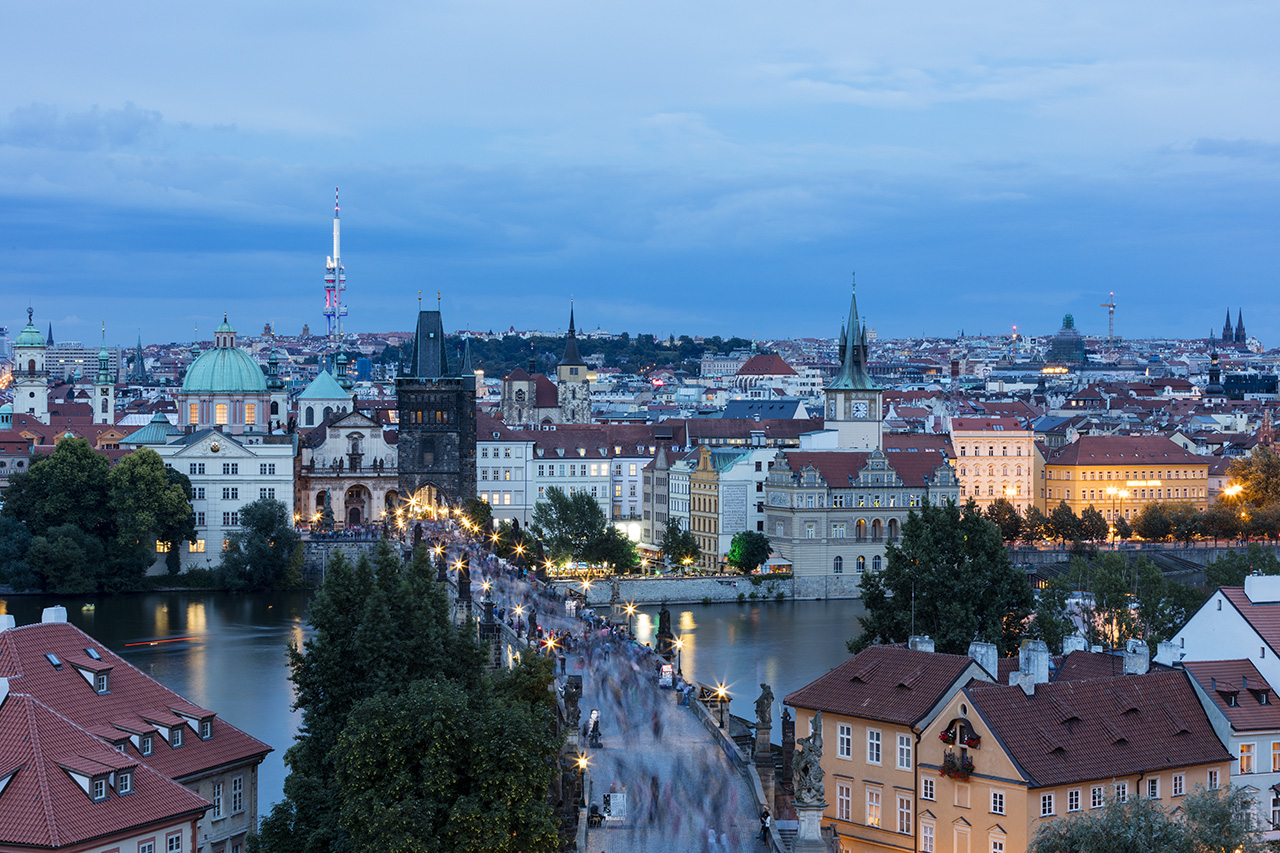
point(196, 547)
point(162, 547)
point(250, 413)
point(220, 413)
point(193, 413)
point(873, 807)
point(844, 802)
point(1246, 758)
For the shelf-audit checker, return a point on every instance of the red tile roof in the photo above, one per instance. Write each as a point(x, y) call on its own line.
point(993, 424)
point(42, 805)
point(766, 364)
point(136, 702)
point(1123, 449)
point(1076, 731)
point(892, 684)
point(1220, 678)
point(837, 467)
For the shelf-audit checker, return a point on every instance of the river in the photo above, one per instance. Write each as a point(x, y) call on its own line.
point(233, 661)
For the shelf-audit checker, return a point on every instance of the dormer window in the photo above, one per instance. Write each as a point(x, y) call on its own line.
point(99, 788)
point(175, 737)
point(102, 682)
point(206, 729)
point(146, 747)
point(124, 782)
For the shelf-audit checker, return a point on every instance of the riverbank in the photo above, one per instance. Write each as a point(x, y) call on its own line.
point(715, 589)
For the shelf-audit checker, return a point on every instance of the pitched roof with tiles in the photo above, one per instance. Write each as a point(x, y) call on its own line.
point(989, 424)
point(41, 802)
point(1076, 731)
point(1238, 682)
point(892, 684)
point(136, 702)
point(1263, 617)
point(545, 393)
point(765, 364)
point(1123, 450)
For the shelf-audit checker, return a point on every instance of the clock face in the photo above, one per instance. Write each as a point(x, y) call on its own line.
point(859, 408)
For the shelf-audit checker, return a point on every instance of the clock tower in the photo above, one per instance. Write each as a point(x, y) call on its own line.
point(854, 403)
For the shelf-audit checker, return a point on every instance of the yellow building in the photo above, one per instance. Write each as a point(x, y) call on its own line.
point(875, 708)
point(1120, 474)
point(994, 458)
point(704, 510)
point(1017, 757)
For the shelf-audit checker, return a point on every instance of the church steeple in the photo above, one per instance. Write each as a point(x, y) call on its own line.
point(571, 355)
point(854, 402)
point(1227, 334)
point(1241, 340)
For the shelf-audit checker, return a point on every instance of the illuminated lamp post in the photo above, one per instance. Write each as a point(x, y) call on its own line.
point(679, 646)
point(722, 699)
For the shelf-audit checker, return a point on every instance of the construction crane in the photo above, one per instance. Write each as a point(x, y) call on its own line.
point(1110, 305)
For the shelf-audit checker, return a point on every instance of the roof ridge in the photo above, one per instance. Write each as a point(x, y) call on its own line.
point(46, 801)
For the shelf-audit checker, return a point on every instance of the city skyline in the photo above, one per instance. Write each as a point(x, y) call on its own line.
point(708, 171)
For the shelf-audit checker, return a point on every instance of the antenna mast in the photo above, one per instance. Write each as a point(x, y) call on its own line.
point(335, 282)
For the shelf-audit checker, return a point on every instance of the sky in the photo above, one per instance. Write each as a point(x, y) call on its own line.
point(689, 168)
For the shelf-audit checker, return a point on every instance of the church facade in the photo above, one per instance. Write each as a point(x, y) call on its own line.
point(530, 398)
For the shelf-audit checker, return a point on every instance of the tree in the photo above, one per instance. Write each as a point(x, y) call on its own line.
point(1220, 521)
point(1052, 620)
point(1123, 530)
point(952, 578)
point(1185, 521)
point(569, 524)
point(1258, 476)
point(67, 487)
point(679, 547)
point(1093, 527)
point(66, 560)
point(1211, 820)
point(1005, 515)
point(1152, 524)
point(1232, 567)
point(1035, 526)
point(748, 551)
point(149, 505)
point(14, 539)
point(1064, 523)
point(1127, 599)
point(479, 513)
point(266, 552)
point(614, 548)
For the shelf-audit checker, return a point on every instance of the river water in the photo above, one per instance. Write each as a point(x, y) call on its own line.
point(228, 650)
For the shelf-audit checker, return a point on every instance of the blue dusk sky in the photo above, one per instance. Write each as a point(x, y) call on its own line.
point(702, 168)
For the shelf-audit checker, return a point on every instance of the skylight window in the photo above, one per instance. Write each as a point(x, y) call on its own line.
point(93, 653)
point(53, 659)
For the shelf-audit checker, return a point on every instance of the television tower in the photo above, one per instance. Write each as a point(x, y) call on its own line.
point(335, 282)
point(1110, 305)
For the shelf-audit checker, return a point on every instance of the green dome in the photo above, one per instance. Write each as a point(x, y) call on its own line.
point(224, 327)
point(224, 370)
point(29, 337)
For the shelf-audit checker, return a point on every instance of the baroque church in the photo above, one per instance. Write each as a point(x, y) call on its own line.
point(532, 399)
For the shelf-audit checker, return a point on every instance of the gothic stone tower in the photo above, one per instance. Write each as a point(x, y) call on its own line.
point(437, 411)
point(573, 382)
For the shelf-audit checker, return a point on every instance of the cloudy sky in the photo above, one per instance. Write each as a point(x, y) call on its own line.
point(701, 168)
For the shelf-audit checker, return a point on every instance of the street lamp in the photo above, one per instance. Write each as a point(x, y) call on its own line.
point(581, 761)
point(679, 646)
point(631, 611)
point(721, 698)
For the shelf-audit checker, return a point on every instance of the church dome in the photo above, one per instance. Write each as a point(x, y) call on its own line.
point(29, 337)
point(224, 370)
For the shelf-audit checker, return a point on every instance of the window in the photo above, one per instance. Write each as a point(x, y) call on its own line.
point(197, 547)
point(124, 782)
point(837, 565)
point(146, 747)
point(200, 519)
point(844, 802)
point(1246, 757)
point(267, 494)
point(904, 752)
point(844, 741)
point(229, 519)
point(875, 563)
point(997, 802)
point(99, 789)
point(267, 469)
point(904, 814)
point(1073, 801)
point(1275, 756)
point(926, 838)
point(146, 847)
point(633, 469)
point(237, 794)
point(927, 789)
point(230, 468)
point(173, 844)
point(1275, 809)
point(220, 413)
point(231, 494)
point(862, 564)
point(102, 682)
point(1122, 792)
point(162, 547)
point(1095, 796)
point(1213, 780)
point(250, 413)
point(873, 746)
point(216, 811)
point(175, 737)
point(196, 468)
point(206, 729)
point(810, 530)
point(837, 531)
point(197, 493)
point(1046, 805)
point(193, 413)
point(873, 807)
point(1153, 788)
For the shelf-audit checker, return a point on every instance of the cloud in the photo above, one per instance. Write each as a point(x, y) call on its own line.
point(95, 129)
point(1238, 149)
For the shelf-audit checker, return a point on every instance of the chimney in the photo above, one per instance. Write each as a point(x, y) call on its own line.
point(1033, 666)
point(1137, 658)
point(1168, 653)
point(57, 613)
point(984, 654)
point(1262, 589)
point(7, 621)
point(920, 643)
point(1074, 643)
point(1095, 649)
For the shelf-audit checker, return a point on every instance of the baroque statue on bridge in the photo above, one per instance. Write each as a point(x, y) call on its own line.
point(808, 766)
